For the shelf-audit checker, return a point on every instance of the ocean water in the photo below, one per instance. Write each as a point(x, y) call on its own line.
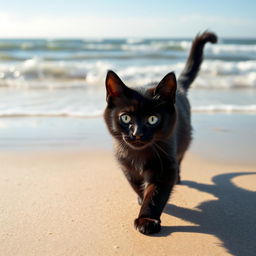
point(59, 78)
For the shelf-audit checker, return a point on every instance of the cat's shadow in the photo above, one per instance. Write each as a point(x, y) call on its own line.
point(231, 217)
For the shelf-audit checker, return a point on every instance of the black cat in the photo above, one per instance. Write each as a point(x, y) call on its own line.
point(152, 131)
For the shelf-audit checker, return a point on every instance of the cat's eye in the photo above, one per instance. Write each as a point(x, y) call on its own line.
point(152, 120)
point(126, 118)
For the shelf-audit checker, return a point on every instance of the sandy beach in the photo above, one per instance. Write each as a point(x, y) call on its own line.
point(77, 202)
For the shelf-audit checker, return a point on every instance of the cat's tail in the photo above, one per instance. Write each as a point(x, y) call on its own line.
point(195, 59)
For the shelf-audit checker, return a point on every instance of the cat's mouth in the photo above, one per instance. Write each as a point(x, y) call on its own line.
point(136, 144)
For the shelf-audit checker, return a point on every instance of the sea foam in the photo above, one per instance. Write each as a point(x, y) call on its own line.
point(37, 72)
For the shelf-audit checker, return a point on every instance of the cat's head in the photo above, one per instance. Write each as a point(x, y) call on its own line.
point(140, 118)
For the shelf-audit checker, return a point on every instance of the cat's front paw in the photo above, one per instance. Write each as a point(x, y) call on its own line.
point(147, 226)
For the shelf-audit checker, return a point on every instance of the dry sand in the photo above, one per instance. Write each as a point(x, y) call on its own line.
point(79, 203)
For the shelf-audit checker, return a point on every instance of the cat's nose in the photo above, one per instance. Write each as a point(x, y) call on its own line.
point(137, 132)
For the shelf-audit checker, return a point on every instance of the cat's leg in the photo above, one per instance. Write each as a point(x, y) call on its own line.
point(137, 187)
point(136, 184)
point(156, 196)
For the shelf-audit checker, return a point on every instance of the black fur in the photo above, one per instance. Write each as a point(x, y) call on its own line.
point(152, 131)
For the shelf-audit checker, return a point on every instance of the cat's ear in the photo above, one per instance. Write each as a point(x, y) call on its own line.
point(166, 89)
point(114, 85)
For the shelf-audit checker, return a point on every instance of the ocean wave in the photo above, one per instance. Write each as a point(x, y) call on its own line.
point(135, 40)
point(214, 74)
point(10, 57)
point(78, 49)
point(217, 67)
point(225, 108)
point(57, 74)
point(225, 47)
point(93, 45)
point(157, 46)
point(39, 73)
point(10, 114)
point(232, 48)
point(82, 56)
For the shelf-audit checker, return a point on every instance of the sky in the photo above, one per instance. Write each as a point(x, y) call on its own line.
point(133, 18)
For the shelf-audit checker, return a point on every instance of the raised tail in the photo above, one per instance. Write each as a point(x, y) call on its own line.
point(195, 59)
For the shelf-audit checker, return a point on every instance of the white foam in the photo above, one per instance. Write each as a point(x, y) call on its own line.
point(231, 48)
point(156, 46)
point(213, 74)
point(102, 46)
point(225, 108)
point(183, 45)
point(218, 67)
point(37, 73)
point(60, 113)
point(48, 74)
point(134, 40)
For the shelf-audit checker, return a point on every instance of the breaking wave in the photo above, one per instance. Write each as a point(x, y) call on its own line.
point(38, 73)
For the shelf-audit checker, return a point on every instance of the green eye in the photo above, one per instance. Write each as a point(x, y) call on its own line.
point(153, 120)
point(126, 118)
